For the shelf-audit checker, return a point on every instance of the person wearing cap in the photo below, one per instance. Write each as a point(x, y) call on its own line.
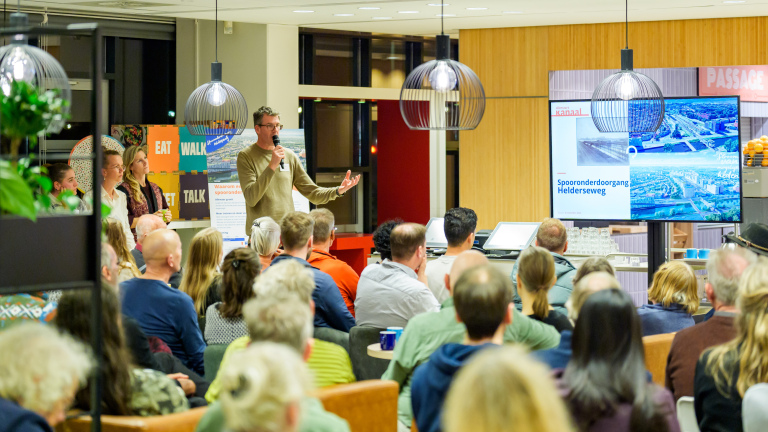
point(268, 173)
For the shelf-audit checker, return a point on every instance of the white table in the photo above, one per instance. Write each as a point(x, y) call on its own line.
point(374, 350)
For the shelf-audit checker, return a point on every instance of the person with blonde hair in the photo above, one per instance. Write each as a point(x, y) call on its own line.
point(558, 357)
point(116, 239)
point(502, 390)
point(535, 277)
point(201, 277)
point(144, 197)
point(112, 169)
point(265, 240)
point(262, 389)
point(724, 373)
point(674, 294)
point(41, 371)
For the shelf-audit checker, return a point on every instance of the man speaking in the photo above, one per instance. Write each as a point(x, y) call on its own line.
point(268, 173)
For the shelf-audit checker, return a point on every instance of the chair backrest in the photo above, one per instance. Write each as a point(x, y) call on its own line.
point(182, 422)
point(686, 415)
point(332, 335)
point(212, 360)
point(753, 409)
point(656, 353)
point(364, 366)
point(369, 406)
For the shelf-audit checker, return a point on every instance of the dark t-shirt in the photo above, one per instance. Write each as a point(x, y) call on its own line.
point(150, 197)
point(557, 320)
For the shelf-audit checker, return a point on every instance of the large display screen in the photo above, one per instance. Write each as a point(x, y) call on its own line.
point(688, 170)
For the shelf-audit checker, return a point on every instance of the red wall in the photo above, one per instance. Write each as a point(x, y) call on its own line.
point(403, 167)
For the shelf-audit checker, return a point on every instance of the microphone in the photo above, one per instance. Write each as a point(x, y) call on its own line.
point(276, 142)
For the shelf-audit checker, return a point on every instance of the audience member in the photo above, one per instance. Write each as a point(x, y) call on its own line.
point(112, 172)
point(381, 238)
point(285, 319)
point(674, 294)
point(263, 389)
point(116, 239)
point(391, 293)
point(201, 279)
point(724, 268)
point(503, 390)
point(724, 373)
point(553, 237)
point(129, 390)
point(323, 236)
point(162, 311)
point(483, 301)
point(592, 265)
point(143, 196)
point(145, 225)
point(558, 357)
point(605, 384)
point(265, 239)
point(63, 178)
point(224, 320)
point(425, 333)
point(535, 277)
point(40, 374)
point(753, 412)
point(459, 226)
point(296, 235)
point(329, 363)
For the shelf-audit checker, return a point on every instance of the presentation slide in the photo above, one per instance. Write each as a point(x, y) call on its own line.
point(688, 170)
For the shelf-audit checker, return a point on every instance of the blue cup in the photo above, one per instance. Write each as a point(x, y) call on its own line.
point(691, 253)
point(703, 253)
point(398, 332)
point(387, 340)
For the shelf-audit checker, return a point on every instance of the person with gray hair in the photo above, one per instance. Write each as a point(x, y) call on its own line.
point(42, 369)
point(285, 320)
point(265, 239)
point(724, 269)
point(270, 313)
point(263, 388)
point(553, 237)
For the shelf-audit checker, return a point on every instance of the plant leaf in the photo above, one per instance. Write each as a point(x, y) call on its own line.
point(15, 196)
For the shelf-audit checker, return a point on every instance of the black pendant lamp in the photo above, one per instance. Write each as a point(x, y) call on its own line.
point(442, 94)
point(216, 108)
point(627, 101)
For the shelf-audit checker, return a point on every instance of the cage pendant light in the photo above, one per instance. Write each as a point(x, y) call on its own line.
point(216, 108)
point(627, 101)
point(21, 62)
point(442, 94)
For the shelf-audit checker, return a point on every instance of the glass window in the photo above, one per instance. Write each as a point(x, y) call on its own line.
point(335, 140)
point(333, 61)
point(387, 63)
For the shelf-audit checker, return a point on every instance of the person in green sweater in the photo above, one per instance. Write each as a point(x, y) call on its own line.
point(286, 321)
point(268, 173)
point(425, 333)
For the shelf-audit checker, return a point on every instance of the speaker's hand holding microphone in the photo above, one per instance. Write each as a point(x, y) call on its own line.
point(278, 154)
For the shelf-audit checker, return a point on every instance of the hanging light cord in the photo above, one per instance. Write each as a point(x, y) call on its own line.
point(442, 17)
point(626, 22)
point(216, 31)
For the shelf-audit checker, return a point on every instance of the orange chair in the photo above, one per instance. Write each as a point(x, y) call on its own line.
point(656, 353)
point(182, 422)
point(368, 406)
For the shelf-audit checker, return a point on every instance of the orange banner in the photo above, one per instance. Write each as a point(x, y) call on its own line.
point(744, 81)
point(169, 183)
point(163, 146)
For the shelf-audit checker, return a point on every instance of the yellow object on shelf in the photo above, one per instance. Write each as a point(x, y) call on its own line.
point(752, 153)
point(749, 162)
point(751, 144)
point(765, 162)
point(759, 147)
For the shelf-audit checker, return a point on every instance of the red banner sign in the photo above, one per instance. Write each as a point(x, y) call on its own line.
point(749, 82)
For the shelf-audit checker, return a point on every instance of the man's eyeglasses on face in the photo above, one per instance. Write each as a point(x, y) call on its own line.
point(272, 127)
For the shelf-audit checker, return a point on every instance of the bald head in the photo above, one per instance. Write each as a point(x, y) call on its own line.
point(464, 261)
point(162, 251)
point(146, 224)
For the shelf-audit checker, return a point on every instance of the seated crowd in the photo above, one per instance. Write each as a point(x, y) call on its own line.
point(280, 312)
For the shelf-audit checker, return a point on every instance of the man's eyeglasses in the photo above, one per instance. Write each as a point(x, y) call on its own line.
point(272, 127)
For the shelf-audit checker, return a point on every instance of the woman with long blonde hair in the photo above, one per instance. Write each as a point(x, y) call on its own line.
point(144, 197)
point(201, 277)
point(724, 373)
point(116, 239)
point(503, 389)
point(674, 294)
point(535, 276)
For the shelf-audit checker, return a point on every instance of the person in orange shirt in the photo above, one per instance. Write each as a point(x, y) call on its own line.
point(322, 238)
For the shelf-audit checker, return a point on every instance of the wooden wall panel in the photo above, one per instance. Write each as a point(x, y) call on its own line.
point(505, 176)
point(504, 164)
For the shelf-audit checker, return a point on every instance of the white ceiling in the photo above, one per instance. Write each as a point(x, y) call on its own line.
point(424, 22)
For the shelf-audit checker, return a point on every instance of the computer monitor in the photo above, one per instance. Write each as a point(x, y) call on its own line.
point(436, 234)
point(512, 236)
